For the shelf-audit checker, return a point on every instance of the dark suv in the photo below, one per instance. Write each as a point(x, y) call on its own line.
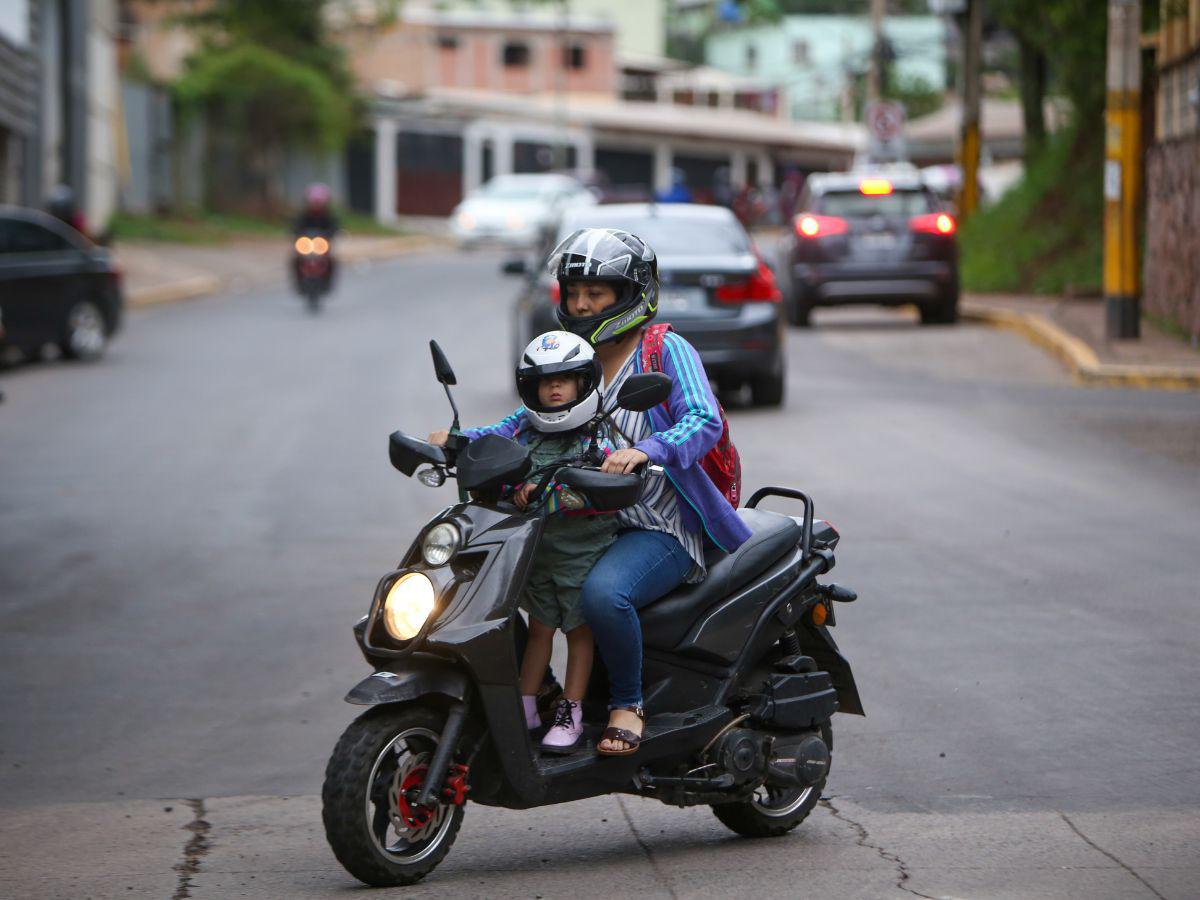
point(881, 238)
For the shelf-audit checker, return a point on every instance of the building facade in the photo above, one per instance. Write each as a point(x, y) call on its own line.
point(59, 103)
point(813, 59)
point(1171, 285)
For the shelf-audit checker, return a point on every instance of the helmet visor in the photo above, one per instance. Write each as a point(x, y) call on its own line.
point(593, 253)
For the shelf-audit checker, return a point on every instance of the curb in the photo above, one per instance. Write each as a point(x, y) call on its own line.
point(1078, 357)
point(185, 289)
point(202, 285)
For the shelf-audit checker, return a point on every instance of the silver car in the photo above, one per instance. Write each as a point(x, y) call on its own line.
point(517, 210)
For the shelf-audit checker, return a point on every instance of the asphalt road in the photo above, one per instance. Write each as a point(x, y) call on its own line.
point(189, 529)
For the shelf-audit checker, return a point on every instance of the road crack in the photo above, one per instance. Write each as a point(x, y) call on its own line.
point(864, 840)
point(193, 850)
point(663, 879)
point(1087, 840)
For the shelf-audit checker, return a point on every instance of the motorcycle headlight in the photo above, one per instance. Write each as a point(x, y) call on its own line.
point(440, 543)
point(408, 604)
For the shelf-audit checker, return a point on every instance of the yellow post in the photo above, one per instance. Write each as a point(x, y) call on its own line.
point(1122, 170)
point(969, 138)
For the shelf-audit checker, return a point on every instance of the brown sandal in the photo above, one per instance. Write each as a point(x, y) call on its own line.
point(612, 733)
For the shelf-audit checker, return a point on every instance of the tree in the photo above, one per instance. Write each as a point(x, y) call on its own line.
point(267, 80)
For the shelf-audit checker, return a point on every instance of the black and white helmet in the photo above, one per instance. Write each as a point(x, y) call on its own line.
point(558, 353)
point(619, 258)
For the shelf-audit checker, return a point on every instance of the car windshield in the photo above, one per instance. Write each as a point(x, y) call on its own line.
point(518, 188)
point(857, 205)
point(672, 235)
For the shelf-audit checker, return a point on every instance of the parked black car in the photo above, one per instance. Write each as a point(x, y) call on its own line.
point(882, 238)
point(716, 291)
point(56, 286)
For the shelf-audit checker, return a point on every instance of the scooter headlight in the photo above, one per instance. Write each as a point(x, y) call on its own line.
point(409, 603)
point(440, 543)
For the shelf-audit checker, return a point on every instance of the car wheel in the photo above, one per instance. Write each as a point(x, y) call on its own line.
point(85, 333)
point(767, 390)
point(799, 310)
point(945, 312)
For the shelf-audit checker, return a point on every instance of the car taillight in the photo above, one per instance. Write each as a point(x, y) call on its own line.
point(758, 288)
point(555, 293)
point(933, 223)
point(809, 225)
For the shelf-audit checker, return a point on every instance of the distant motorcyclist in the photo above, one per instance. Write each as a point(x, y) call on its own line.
point(317, 215)
point(316, 218)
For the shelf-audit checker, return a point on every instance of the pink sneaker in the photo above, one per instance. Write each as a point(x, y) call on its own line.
point(567, 731)
point(532, 720)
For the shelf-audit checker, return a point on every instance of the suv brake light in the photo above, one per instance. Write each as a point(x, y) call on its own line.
point(934, 223)
point(809, 225)
point(875, 187)
point(758, 288)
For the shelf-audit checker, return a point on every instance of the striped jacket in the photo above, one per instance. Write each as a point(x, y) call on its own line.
point(680, 439)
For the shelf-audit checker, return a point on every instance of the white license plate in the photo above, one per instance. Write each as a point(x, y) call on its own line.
point(877, 241)
point(681, 299)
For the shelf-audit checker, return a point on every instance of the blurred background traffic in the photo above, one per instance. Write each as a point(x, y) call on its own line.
point(136, 123)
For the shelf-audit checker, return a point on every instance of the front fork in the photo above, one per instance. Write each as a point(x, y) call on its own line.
point(456, 718)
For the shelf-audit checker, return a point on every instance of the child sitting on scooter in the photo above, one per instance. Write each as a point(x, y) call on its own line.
point(559, 381)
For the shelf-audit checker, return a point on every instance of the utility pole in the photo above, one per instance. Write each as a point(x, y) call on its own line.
point(1122, 170)
point(875, 76)
point(969, 140)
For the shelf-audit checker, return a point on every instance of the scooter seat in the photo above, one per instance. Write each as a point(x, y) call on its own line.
point(666, 621)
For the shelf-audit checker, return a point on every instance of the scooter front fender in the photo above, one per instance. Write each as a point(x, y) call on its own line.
point(415, 676)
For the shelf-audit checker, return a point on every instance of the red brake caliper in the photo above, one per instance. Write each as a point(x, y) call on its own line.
point(456, 788)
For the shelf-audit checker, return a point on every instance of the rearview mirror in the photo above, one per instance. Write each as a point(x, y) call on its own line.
point(514, 267)
point(643, 392)
point(441, 365)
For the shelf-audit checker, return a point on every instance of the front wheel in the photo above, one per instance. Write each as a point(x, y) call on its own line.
point(376, 831)
point(772, 811)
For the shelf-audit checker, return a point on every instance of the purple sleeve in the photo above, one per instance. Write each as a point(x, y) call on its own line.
point(506, 427)
point(696, 420)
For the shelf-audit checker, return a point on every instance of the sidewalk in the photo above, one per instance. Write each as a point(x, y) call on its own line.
point(157, 272)
point(1074, 331)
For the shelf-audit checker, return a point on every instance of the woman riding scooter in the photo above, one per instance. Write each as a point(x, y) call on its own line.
point(608, 282)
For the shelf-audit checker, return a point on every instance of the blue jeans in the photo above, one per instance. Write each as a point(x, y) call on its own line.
point(638, 569)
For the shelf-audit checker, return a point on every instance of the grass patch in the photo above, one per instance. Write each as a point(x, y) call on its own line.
point(1045, 235)
point(216, 228)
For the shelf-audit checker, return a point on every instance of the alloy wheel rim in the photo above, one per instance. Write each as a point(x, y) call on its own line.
point(776, 803)
point(86, 328)
point(400, 832)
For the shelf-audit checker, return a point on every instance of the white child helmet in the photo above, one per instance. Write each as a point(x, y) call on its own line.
point(554, 353)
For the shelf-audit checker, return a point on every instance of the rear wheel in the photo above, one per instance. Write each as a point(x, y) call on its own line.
point(372, 823)
point(799, 310)
point(85, 334)
point(772, 812)
point(944, 312)
point(767, 390)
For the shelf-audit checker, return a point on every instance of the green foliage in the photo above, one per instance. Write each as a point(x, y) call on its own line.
point(262, 94)
point(1072, 35)
point(217, 228)
point(1044, 235)
point(918, 96)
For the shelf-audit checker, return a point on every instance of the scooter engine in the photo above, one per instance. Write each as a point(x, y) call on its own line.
point(740, 754)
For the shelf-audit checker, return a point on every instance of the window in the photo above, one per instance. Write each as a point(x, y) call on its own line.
point(19, 236)
point(574, 57)
point(447, 42)
point(800, 53)
point(751, 57)
point(516, 54)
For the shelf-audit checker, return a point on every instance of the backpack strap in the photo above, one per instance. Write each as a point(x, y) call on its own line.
point(652, 346)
